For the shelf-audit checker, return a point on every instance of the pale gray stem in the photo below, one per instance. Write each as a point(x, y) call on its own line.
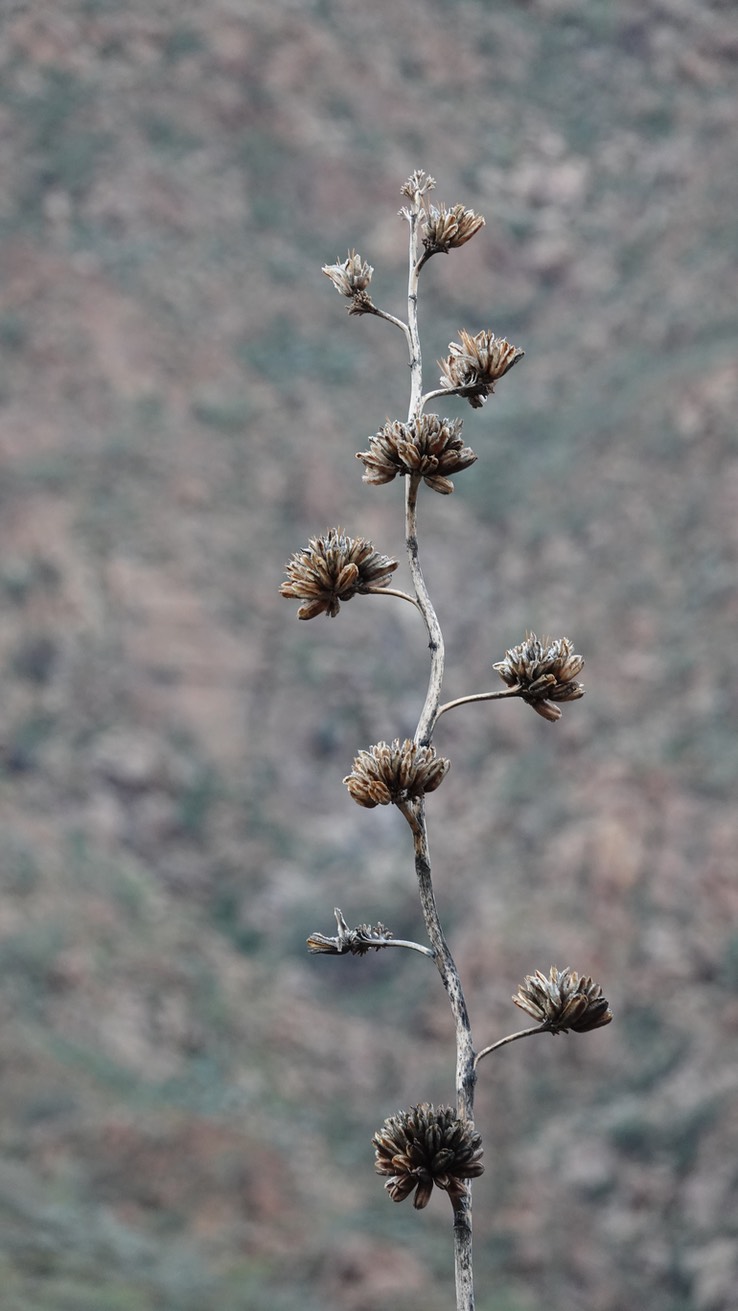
point(435, 637)
point(429, 712)
point(478, 696)
point(389, 591)
point(399, 942)
point(465, 1067)
point(471, 389)
point(465, 1075)
point(383, 314)
point(463, 1268)
point(511, 1037)
point(416, 358)
point(415, 812)
point(442, 391)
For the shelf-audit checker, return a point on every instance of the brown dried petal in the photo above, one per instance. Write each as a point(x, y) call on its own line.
point(314, 608)
point(546, 710)
point(401, 1187)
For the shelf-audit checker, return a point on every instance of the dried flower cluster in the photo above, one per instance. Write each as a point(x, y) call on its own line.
point(429, 446)
point(426, 1146)
point(475, 364)
point(351, 278)
point(333, 568)
point(444, 229)
point(563, 1001)
point(391, 774)
point(356, 941)
point(418, 184)
point(544, 671)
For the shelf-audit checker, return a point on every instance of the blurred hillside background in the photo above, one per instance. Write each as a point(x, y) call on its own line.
point(187, 1099)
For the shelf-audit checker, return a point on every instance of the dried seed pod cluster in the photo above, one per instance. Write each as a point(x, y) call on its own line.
point(418, 185)
point(333, 568)
point(563, 1001)
point(544, 671)
point(444, 229)
point(475, 364)
point(351, 278)
point(430, 447)
point(427, 1146)
point(395, 773)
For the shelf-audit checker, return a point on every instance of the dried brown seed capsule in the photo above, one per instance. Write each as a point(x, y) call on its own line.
point(428, 446)
point(333, 568)
point(475, 364)
point(444, 229)
point(563, 1001)
point(427, 1146)
point(351, 278)
point(395, 773)
point(544, 670)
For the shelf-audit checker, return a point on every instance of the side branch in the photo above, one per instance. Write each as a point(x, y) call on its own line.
point(358, 941)
point(390, 318)
point(390, 591)
point(447, 391)
point(478, 696)
point(511, 1037)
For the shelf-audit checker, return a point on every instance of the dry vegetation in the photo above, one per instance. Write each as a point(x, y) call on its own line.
point(187, 1099)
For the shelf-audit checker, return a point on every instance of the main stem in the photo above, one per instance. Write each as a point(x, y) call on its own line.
point(415, 814)
point(465, 1066)
point(428, 715)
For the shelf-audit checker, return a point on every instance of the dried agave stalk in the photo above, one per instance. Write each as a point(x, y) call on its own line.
point(426, 1146)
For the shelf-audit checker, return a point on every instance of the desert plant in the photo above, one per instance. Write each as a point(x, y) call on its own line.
point(426, 1145)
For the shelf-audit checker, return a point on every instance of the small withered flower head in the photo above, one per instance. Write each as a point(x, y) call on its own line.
point(333, 568)
point(418, 184)
point(563, 1001)
point(429, 446)
point(444, 229)
point(424, 1146)
point(475, 364)
point(351, 278)
point(357, 941)
point(390, 774)
point(544, 671)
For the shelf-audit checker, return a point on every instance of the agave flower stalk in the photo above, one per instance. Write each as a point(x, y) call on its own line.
point(429, 1147)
